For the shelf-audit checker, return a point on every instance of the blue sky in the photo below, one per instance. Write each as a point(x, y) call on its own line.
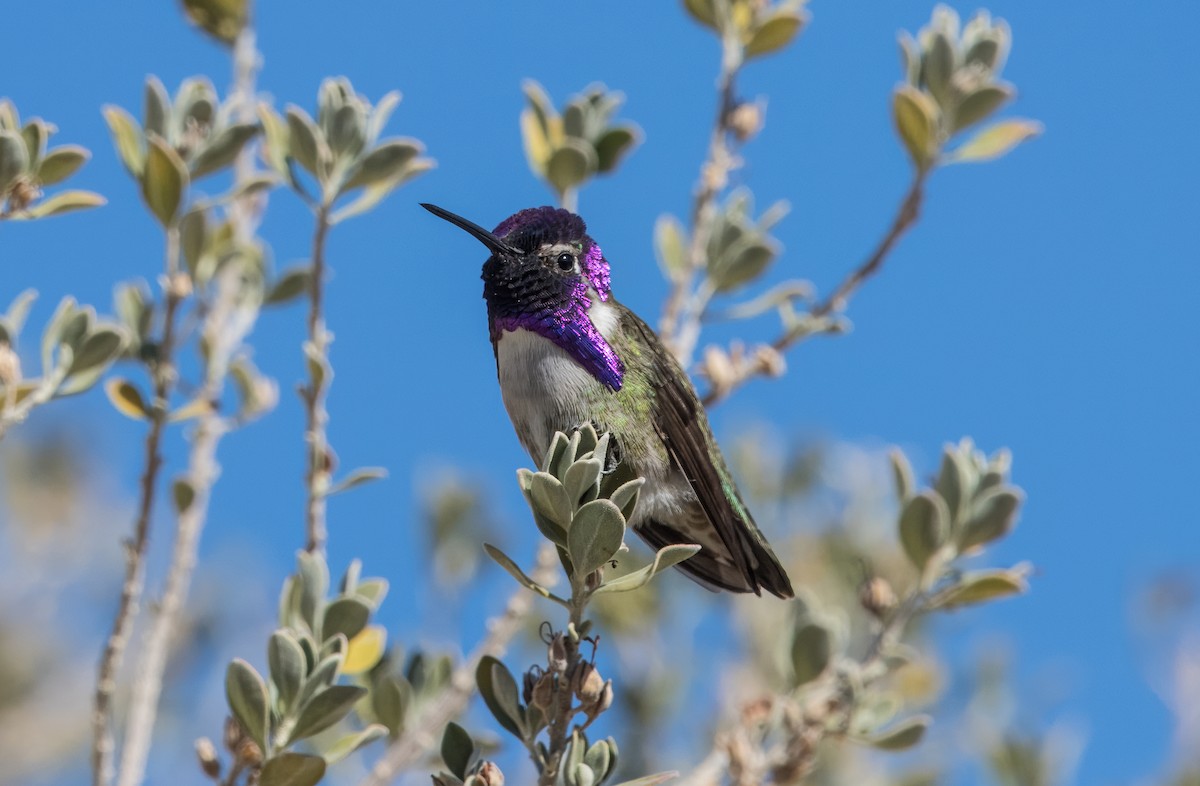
point(1044, 303)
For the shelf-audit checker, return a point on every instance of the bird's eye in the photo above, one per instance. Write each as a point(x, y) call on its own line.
point(565, 261)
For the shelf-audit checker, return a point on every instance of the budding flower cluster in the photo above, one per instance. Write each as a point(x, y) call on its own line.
point(877, 597)
point(206, 752)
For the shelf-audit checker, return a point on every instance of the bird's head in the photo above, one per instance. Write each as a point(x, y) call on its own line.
point(544, 274)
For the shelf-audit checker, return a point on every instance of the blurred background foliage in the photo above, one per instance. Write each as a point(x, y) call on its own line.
point(686, 668)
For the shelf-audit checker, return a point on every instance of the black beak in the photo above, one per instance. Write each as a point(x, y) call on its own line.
point(494, 244)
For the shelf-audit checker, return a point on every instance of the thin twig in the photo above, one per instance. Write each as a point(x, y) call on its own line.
point(739, 750)
point(680, 323)
point(226, 324)
point(147, 687)
point(424, 733)
point(135, 556)
point(316, 416)
point(907, 215)
point(558, 730)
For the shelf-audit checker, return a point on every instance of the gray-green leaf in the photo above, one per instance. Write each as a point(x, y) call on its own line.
point(596, 534)
point(570, 164)
point(164, 181)
point(901, 736)
point(812, 649)
point(457, 749)
point(292, 769)
point(924, 527)
point(499, 692)
point(287, 665)
point(352, 742)
point(993, 516)
point(613, 145)
point(60, 163)
point(14, 158)
point(247, 696)
point(383, 163)
point(666, 557)
point(325, 709)
point(221, 151)
point(128, 139)
point(504, 561)
point(292, 283)
point(347, 615)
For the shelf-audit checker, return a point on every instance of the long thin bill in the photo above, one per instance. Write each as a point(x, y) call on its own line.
point(495, 244)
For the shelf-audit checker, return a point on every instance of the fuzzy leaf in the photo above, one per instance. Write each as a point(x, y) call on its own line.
point(100, 347)
point(670, 241)
point(981, 587)
point(939, 66)
point(582, 480)
point(126, 398)
point(902, 474)
point(812, 650)
point(994, 141)
point(625, 496)
point(287, 666)
point(375, 193)
point(383, 163)
point(305, 144)
point(457, 749)
point(358, 477)
point(537, 145)
point(164, 181)
point(993, 516)
point(901, 736)
point(550, 498)
point(666, 557)
point(365, 650)
point(915, 117)
point(291, 284)
point(247, 696)
point(352, 742)
point(504, 561)
point(64, 202)
point(60, 163)
point(980, 105)
point(326, 709)
point(223, 20)
point(774, 34)
point(13, 158)
point(221, 152)
point(924, 527)
point(347, 615)
point(954, 482)
point(614, 144)
point(128, 139)
point(156, 107)
point(499, 692)
point(292, 769)
point(596, 534)
point(570, 164)
point(390, 700)
point(704, 12)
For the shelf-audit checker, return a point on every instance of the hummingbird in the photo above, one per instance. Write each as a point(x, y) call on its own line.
point(568, 353)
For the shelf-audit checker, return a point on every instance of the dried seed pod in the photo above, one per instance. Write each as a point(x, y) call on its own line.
point(587, 684)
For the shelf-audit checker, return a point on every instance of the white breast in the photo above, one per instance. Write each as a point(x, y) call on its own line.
point(545, 389)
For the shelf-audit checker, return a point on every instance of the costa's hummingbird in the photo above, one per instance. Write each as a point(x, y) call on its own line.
point(568, 353)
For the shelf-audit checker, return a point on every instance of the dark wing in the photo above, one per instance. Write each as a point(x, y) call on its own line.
point(746, 562)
